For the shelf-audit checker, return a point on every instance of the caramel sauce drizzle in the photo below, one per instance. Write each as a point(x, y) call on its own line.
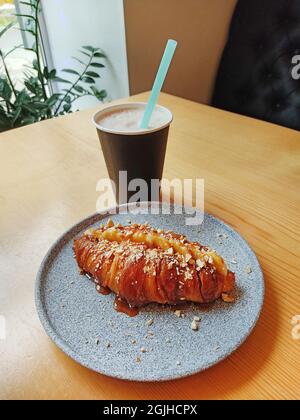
point(121, 306)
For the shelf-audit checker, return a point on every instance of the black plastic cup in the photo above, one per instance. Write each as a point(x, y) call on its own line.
point(140, 153)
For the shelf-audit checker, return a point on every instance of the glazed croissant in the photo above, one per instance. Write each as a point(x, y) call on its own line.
point(142, 265)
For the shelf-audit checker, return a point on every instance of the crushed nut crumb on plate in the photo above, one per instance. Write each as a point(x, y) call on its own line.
point(228, 298)
point(195, 325)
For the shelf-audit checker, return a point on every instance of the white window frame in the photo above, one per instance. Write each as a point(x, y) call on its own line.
point(27, 41)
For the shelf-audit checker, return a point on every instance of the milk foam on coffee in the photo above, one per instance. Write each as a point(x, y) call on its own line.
point(129, 119)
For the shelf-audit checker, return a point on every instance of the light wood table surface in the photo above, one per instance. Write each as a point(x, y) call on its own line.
point(48, 176)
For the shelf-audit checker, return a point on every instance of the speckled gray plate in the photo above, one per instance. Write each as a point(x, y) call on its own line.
point(81, 322)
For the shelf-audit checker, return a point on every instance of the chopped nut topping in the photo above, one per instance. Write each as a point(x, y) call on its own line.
point(188, 257)
point(146, 269)
point(143, 350)
point(178, 363)
point(248, 269)
point(227, 298)
point(183, 265)
point(133, 342)
point(89, 231)
point(200, 263)
point(138, 360)
point(188, 275)
point(233, 261)
point(168, 340)
point(149, 322)
point(197, 319)
point(195, 325)
point(178, 313)
point(110, 223)
point(108, 344)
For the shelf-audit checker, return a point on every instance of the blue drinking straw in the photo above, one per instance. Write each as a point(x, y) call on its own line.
point(159, 81)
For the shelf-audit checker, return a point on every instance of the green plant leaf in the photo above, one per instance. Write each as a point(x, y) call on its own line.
point(79, 61)
point(88, 80)
point(52, 74)
point(52, 100)
point(31, 108)
point(98, 65)
point(28, 120)
point(67, 107)
point(32, 88)
point(60, 80)
point(25, 16)
point(30, 31)
point(12, 50)
point(35, 64)
point(85, 53)
point(90, 48)
point(33, 85)
point(71, 71)
point(5, 123)
point(29, 49)
point(16, 115)
point(49, 75)
point(99, 55)
point(79, 89)
point(22, 97)
point(40, 107)
point(46, 72)
point(10, 25)
point(5, 90)
point(26, 3)
point(92, 74)
point(100, 95)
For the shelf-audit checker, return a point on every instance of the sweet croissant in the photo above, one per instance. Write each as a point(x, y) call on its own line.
point(143, 265)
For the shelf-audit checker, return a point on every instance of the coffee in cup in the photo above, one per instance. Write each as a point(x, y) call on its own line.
point(129, 149)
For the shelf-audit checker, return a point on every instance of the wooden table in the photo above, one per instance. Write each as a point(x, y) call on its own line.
point(48, 175)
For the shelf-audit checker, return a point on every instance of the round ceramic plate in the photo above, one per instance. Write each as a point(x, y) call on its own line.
point(86, 327)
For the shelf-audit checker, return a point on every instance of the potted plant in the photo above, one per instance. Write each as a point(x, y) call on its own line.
point(37, 101)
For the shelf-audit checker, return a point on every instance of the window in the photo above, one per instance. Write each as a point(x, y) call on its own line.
point(18, 58)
